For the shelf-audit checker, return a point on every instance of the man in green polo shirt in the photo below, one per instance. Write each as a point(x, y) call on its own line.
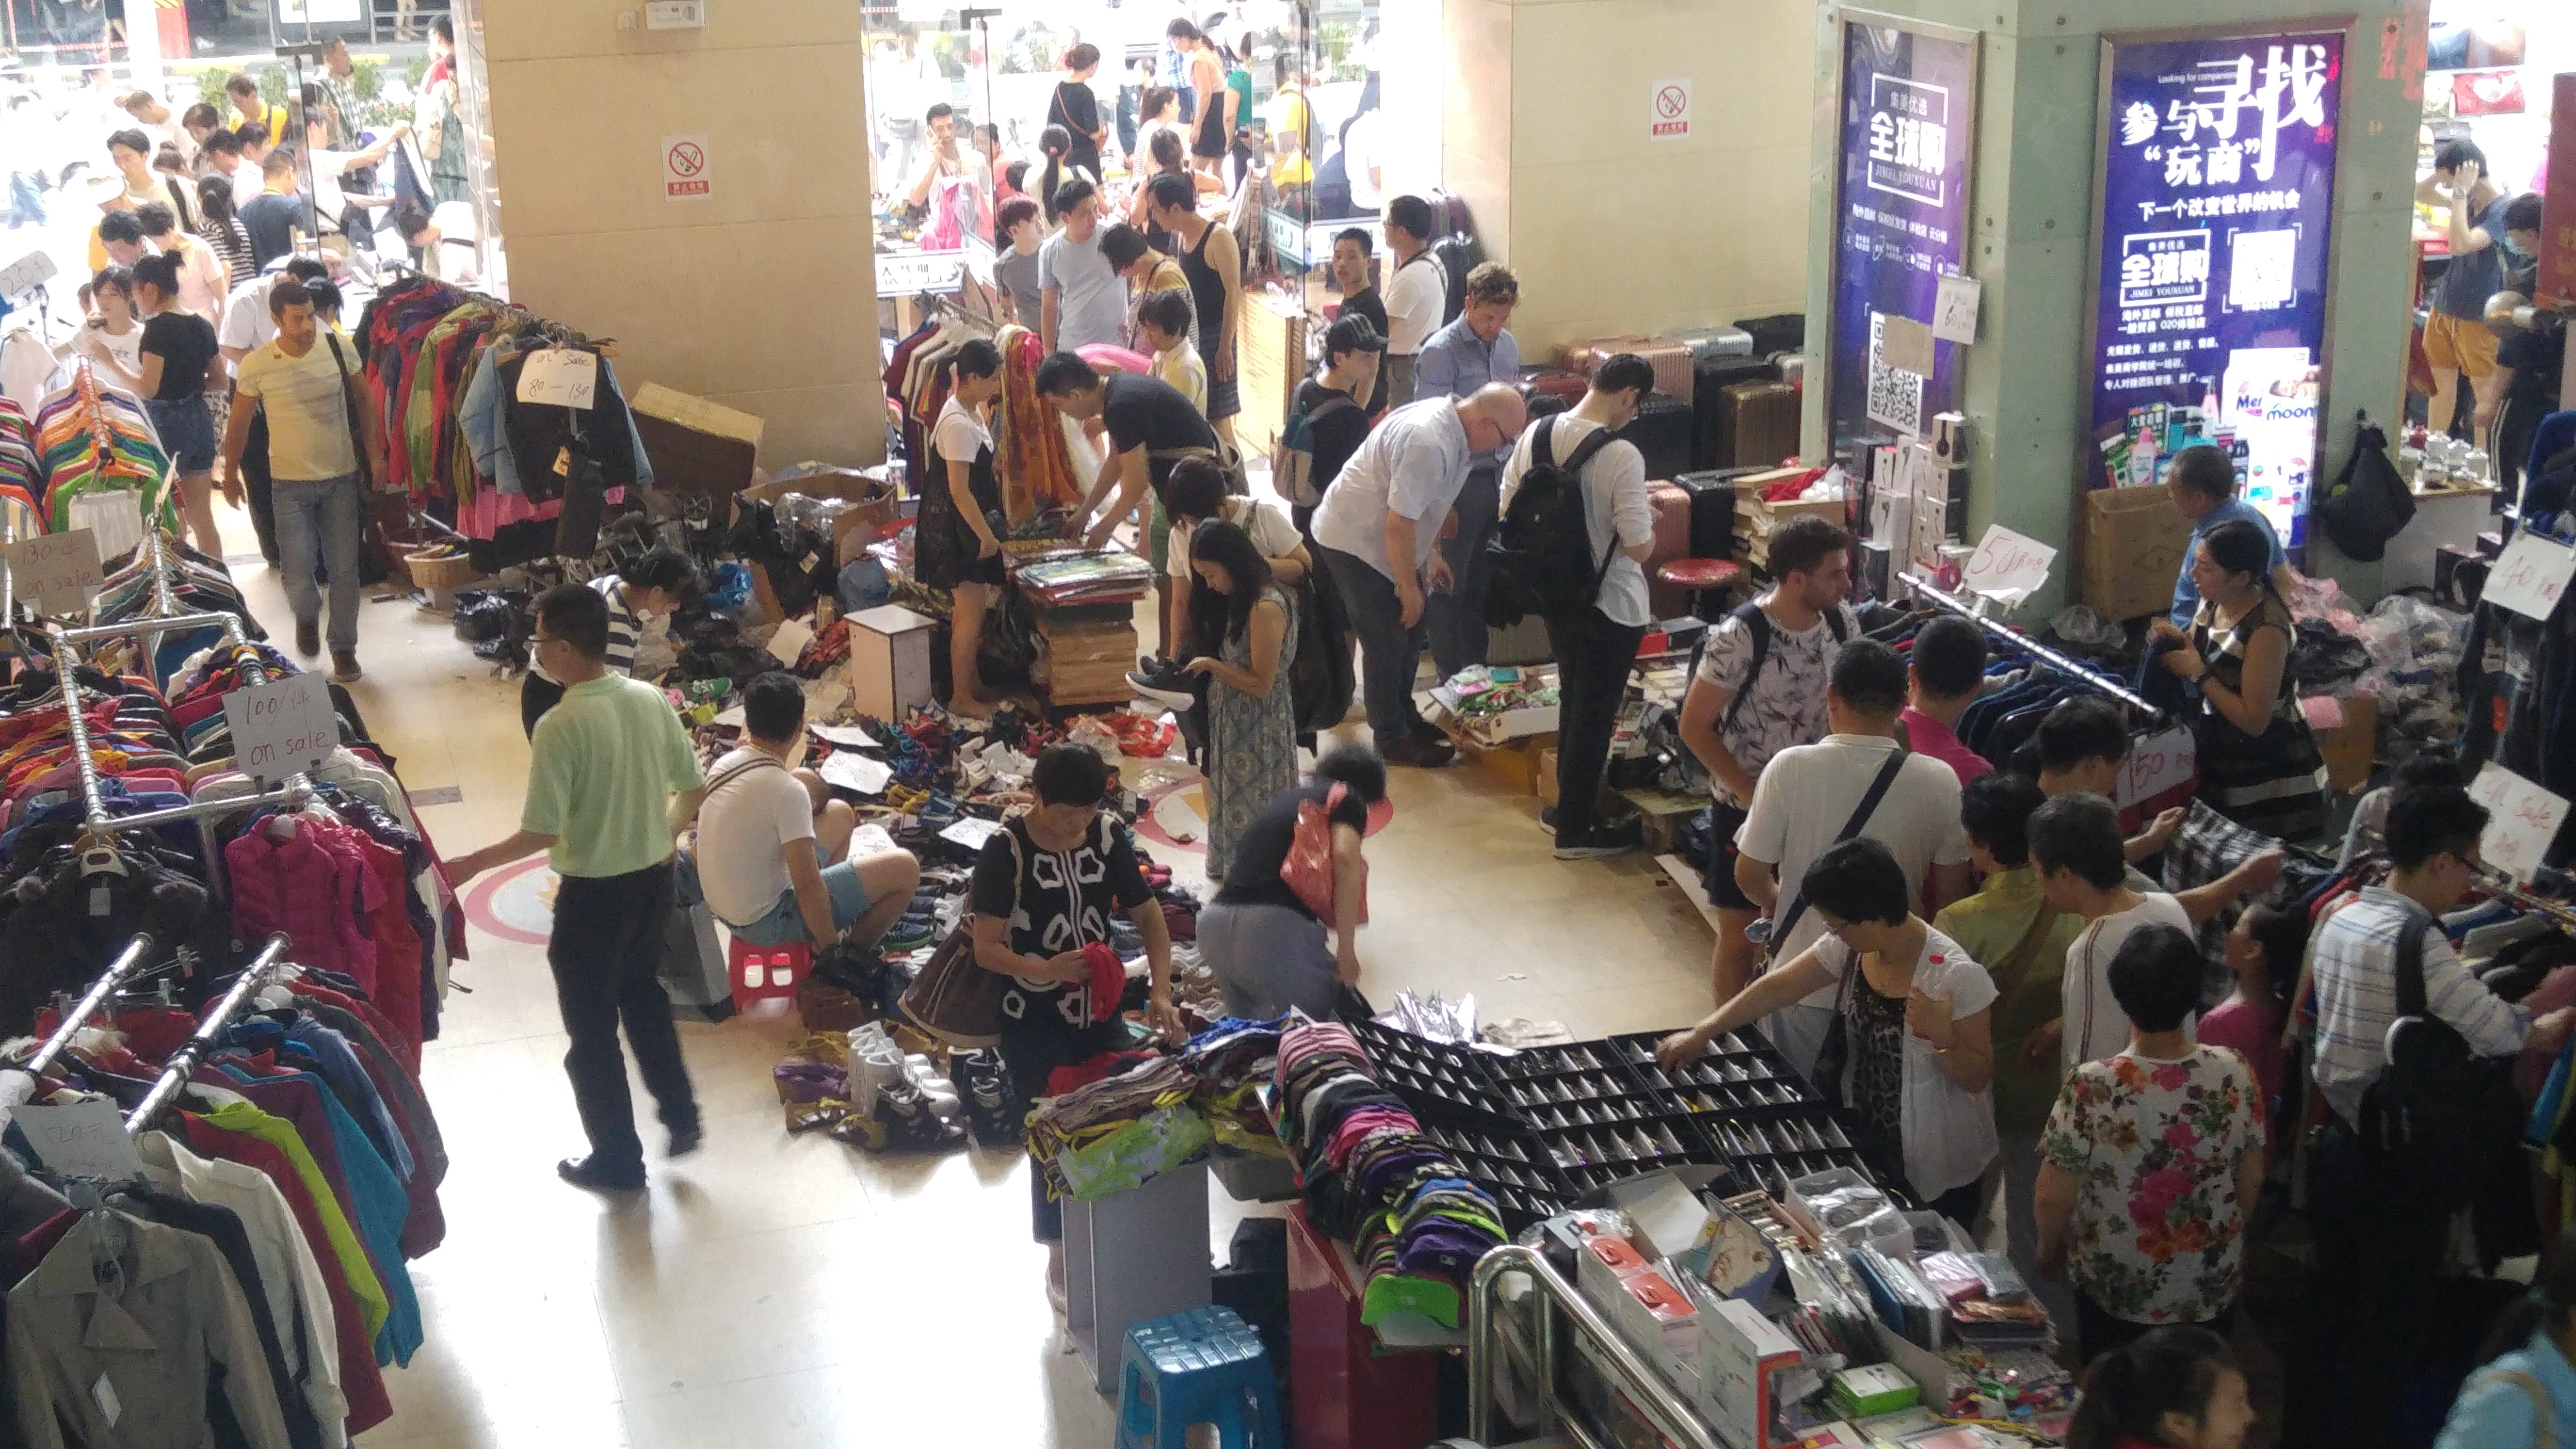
point(611, 782)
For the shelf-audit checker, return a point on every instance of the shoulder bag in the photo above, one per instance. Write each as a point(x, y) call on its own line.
point(954, 998)
point(367, 480)
point(1835, 1052)
point(1308, 867)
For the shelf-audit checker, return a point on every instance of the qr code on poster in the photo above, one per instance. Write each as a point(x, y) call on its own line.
point(1895, 398)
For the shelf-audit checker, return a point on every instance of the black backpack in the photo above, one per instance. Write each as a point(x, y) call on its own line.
point(2439, 1116)
point(1541, 555)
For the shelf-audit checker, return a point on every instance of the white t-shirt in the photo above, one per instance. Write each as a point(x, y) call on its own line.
point(328, 199)
point(1359, 157)
point(1614, 506)
point(246, 323)
point(959, 435)
point(1948, 1134)
point(1806, 795)
point(307, 407)
point(743, 829)
point(1272, 533)
point(1415, 297)
point(2095, 1025)
point(249, 179)
point(1787, 707)
point(126, 349)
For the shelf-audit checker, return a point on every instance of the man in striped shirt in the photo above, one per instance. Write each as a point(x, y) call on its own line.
point(2379, 1241)
point(658, 584)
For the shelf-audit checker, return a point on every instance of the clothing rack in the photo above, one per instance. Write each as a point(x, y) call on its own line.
point(293, 794)
point(2015, 639)
point(182, 1065)
point(2501, 887)
point(127, 962)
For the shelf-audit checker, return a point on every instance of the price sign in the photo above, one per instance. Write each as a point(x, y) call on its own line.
point(564, 377)
point(856, 772)
point(85, 1139)
point(2522, 819)
point(2158, 765)
point(2531, 576)
point(60, 571)
point(1954, 311)
point(1906, 345)
point(27, 272)
point(2007, 565)
point(906, 273)
point(283, 728)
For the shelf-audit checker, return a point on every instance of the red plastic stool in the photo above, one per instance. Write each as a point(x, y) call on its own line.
point(765, 973)
point(1699, 577)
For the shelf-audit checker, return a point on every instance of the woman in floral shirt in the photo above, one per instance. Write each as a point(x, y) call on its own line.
point(2151, 1161)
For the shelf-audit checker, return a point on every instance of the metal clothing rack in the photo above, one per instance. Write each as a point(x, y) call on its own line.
point(127, 963)
point(182, 1064)
point(2502, 888)
point(293, 794)
point(1487, 1338)
point(2015, 639)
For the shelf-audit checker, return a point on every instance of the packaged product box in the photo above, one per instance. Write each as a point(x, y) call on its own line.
point(1602, 1269)
point(853, 529)
point(2132, 547)
point(1658, 1318)
point(1872, 1389)
point(1741, 1357)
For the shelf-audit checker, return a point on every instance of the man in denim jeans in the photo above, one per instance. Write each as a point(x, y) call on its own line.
point(301, 382)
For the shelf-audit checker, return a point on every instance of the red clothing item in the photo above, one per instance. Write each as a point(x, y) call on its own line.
point(2253, 1030)
point(1928, 736)
point(362, 1383)
point(393, 941)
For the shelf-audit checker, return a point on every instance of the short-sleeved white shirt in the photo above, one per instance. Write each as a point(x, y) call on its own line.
point(959, 435)
point(743, 830)
point(1415, 298)
point(2095, 1026)
point(1414, 463)
point(1948, 1133)
point(1788, 703)
point(1272, 533)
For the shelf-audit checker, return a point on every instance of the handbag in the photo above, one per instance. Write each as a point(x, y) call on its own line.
point(955, 999)
point(2368, 504)
point(1308, 867)
point(1834, 1053)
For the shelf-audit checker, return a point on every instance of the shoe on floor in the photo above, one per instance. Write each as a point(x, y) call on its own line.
point(308, 638)
point(599, 1176)
point(1414, 750)
point(685, 1140)
point(1598, 842)
point(344, 666)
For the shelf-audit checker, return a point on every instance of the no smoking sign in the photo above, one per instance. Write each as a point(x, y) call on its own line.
point(1668, 110)
point(686, 175)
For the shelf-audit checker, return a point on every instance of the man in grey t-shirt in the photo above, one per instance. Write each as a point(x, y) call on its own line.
point(1082, 301)
point(1016, 269)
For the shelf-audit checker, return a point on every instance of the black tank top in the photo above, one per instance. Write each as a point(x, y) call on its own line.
point(1207, 290)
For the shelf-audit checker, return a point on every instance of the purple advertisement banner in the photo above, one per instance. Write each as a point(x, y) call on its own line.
point(2210, 306)
point(1909, 116)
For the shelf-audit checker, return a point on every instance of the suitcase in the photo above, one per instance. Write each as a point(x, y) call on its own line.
point(1662, 431)
point(1712, 529)
point(1713, 444)
point(1554, 382)
point(1761, 423)
point(1671, 506)
point(1708, 342)
point(1780, 332)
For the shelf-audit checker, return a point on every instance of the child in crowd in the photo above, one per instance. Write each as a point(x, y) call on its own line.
point(1164, 321)
point(2264, 949)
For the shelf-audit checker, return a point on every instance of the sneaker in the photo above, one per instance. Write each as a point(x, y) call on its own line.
point(344, 666)
point(590, 1172)
point(1414, 750)
point(685, 1140)
point(1600, 841)
point(1164, 683)
point(308, 637)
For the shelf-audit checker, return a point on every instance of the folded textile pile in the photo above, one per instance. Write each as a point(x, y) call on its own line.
point(1371, 1177)
point(1118, 1133)
point(1092, 578)
point(1231, 1060)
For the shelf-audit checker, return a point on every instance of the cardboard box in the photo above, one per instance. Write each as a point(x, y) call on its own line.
point(855, 528)
point(889, 662)
point(1513, 762)
point(696, 446)
point(1740, 1355)
point(1545, 783)
point(2350, 747)
point(2132, 550)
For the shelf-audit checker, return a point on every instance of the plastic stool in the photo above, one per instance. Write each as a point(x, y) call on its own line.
point(765, 973)
point(1205, 1366)
point(1700, 577)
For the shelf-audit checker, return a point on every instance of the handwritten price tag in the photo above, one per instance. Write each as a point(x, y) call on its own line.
point(282, 729)
point(2158, 765)
point(564, 377)
point(2531, 576)
point(2008, 565)
point(60, 571)
point(1954, 311)
point(2522, 820)
point(85, 1139)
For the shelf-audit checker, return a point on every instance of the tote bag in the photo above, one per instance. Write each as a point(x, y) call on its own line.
point(1308, 868)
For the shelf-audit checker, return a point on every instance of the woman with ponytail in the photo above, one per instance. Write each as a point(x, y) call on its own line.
point(2524, 1395)
point(2175, 1388)
point(958, 539)
point(2259, 762)
point(1056, 143)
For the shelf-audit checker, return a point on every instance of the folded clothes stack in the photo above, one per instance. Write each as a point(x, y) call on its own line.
point(1231, 1060)
point(1118, 1132)
point(1372, 1178)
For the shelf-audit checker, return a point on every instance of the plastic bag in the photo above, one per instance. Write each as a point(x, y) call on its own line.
point(728, 588)
point(2415, 659)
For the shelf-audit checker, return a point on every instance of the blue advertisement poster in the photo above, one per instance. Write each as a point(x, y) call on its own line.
point(1909, 112)
point(2210, 294)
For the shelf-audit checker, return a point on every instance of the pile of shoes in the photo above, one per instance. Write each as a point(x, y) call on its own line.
point(991, 1102)
point(864, 1090)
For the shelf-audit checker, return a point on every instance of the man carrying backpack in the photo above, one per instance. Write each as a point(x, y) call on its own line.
point(1760, 690)
point(1567, 467)
point(2389, 1170)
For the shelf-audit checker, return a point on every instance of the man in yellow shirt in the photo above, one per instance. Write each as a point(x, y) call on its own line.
point(243, 92)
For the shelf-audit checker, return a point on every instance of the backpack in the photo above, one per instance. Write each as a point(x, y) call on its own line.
point(1292, 458)
point(1541, 555)
point(2439, 1117)
point(1758, 625)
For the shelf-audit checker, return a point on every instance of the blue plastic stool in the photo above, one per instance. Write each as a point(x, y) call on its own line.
point(1205, 1366)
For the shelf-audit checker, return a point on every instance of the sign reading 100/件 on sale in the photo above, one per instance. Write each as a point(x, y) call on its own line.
point(2218, 159)
point(1901, 220)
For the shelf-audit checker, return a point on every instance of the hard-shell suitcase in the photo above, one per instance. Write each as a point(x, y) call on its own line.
point(1712, 445)
point(1761, 423)
point(1662, 432)
point(1712, 493)
point(1780, 332)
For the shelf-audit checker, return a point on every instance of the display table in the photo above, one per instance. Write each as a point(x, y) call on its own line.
point(2449, 516)
point(1346, 1394)
point(1131, 1257)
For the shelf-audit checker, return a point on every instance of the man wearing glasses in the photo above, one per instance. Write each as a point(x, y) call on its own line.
point(612, 780)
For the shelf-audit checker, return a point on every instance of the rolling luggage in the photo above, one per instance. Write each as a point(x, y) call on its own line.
point(1712, 444)
point(1760, 421)
point(1662, 432)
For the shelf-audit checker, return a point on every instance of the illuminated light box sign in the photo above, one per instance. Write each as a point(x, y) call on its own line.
point(2217, 188)
point(1900, 221)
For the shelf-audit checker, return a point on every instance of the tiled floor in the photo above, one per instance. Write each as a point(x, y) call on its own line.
point(788, 1291)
